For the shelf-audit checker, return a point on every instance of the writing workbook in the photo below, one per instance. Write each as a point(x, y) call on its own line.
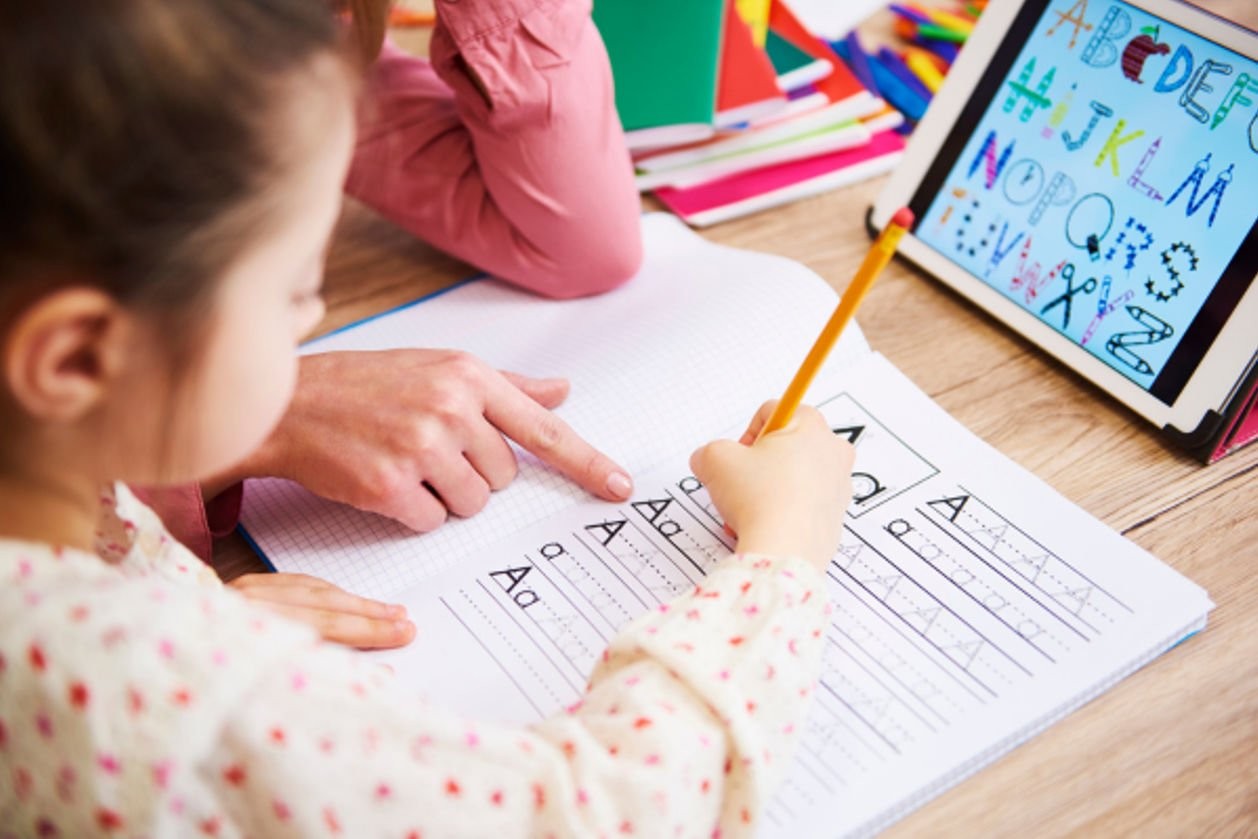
point(974, 605)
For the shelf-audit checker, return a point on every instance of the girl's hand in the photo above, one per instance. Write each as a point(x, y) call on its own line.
point(339, 616)
point(784, 494)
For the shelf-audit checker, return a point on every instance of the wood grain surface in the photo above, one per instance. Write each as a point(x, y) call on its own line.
point(1172, 750)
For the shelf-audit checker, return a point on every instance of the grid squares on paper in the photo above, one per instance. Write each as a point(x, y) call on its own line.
point(683, 352)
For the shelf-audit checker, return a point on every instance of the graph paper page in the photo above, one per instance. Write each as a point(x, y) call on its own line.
point(689, 347)
point(974, 606)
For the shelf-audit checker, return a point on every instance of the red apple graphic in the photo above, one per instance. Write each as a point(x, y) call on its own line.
point(1138, 50)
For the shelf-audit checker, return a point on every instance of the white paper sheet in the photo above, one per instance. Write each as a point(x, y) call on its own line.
point(974, 606)
point(648, 378)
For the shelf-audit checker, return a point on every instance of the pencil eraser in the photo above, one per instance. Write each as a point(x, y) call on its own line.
point(903, 218)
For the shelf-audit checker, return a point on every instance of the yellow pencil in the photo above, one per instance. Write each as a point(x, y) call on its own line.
point(924, 68)
point(877, 258)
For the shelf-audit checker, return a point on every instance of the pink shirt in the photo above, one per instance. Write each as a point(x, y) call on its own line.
point(529, 180)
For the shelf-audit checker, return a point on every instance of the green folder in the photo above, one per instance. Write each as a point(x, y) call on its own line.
point(793, 66)
point(665, 56)
point(785, 56)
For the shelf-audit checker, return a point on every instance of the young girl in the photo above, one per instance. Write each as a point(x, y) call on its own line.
point(173, 172)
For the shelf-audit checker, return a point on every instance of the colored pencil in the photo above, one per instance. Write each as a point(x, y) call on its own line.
point(950, 21)
point(911, 14)
point(941, 33)
point(896, 66)
point(924, 68)
point(854, 54)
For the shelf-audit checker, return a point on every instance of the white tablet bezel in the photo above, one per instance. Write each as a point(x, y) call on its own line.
point(1224, 364)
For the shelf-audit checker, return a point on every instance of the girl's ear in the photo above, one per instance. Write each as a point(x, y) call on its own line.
point(64, 352)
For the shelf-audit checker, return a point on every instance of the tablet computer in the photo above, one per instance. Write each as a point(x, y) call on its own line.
point(1088, 174)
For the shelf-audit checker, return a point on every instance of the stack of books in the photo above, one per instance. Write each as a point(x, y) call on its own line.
point(735, 106)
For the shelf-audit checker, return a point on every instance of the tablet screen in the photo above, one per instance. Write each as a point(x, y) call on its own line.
point(1104, 177)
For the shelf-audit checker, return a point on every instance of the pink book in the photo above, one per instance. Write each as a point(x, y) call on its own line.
point(772, 186)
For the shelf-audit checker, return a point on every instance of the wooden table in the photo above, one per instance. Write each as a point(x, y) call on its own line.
point(1171, 751)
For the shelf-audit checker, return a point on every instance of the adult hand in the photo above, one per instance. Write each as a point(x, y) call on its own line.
point(418, 435)
point(338, 616)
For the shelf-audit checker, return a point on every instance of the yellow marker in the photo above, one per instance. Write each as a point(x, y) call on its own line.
point(756, 15)
point(924, 68)
point(877, 258)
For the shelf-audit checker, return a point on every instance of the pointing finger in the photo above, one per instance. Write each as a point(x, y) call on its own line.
point(555, 443)
point(549, 393)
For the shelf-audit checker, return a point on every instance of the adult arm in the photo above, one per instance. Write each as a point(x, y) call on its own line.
point(505, 150)
point(410, 434)
point(194, 521)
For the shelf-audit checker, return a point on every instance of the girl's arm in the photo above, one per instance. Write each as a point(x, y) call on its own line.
point(235, 719)
point(688, 722)
point(506, 149)
point(195, 515)
point(178, 710)
point(686, 727)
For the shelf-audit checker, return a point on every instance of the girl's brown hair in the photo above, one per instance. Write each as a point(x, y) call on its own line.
point(132, 134)
point(370, 19)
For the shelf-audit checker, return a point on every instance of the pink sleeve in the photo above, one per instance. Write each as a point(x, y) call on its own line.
point(534, 185)
point(189, 518)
